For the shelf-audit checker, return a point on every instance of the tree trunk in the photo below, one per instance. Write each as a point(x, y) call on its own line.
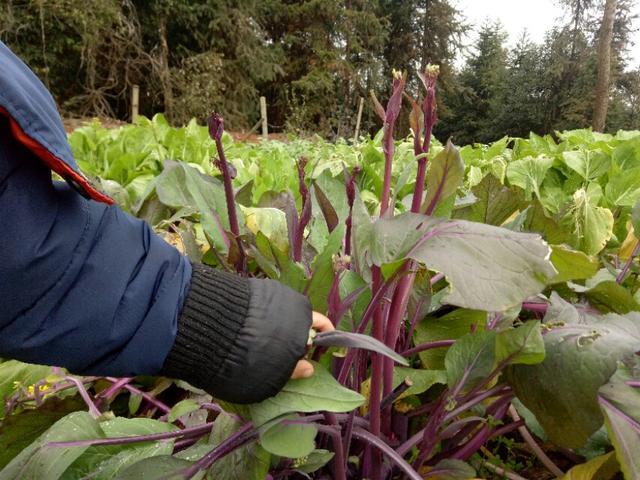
point(164, 72)
point(604, 66)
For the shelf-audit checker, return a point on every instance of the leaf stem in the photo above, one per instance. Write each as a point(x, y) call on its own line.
point(190, 432)
point(244, 435)
point(627, 265)
point(391, 454)
point(427, 346)
point(533, 445)
point(93, 410)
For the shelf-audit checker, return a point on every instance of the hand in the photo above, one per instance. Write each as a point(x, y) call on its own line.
point(304, 368)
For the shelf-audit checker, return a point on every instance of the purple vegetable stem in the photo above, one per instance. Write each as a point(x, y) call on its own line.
point(216, 128)
point(427, 346)
point(627, 265)
point(190, 432)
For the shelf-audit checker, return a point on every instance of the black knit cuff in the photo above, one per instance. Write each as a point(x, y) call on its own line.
point(238, 339)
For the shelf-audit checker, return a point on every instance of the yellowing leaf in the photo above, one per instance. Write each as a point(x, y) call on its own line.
point(629, 243)
point(603, 467)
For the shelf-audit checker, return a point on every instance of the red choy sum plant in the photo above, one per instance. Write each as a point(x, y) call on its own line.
point(430, 342)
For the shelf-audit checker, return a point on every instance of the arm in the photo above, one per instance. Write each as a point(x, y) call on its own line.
point(87, 287)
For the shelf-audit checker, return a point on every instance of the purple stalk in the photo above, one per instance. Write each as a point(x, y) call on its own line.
point(153, 401)
point(216, 128)
point(430, 435)
point(391, 454)
point(377, 362)
point(505, 429)
point(305, 213)
point(390, 117)
point(536, 307)
point(111, 391)
point(348, 433)
point(339, 459)
point(368, 313)
point(430, 118)
point(93, 410)
point(500, 390)
point(482, 436)
point(393, 396)
point(427, 346)
point(398, 310)
point(190, 432)
point(351, 195)
point(412, 325)
point(627, 265)
point(436, 278)
point(244, 435)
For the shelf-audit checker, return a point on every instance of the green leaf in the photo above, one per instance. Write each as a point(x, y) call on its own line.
point(591, 226)
point(322, 270)
point(271, 222)
point(13, 372)
point(161, 467)
point(288, 439)
point(623, 189)
point(182, 408)
point(581, 356)
point(521, 345)
point(599, 468)
point(488, 268)
point(609, 296)
point(529, 173)
point(117, 462)
point(421, 380)
point(250, 462)
point(635, 219)
point(572, 264)
point(18, 431)
point(135, 400)
point(446, 173)
point(181, 185)
point(38, 461)
point(589, 164)
point(471, 359)
point(105, 461)
point(314, 461)
point(620, 404)
point(321, 392)
point(451, 326)
point(495, 202)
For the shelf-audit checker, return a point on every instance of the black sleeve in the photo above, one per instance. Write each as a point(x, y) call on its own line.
point(239, 339)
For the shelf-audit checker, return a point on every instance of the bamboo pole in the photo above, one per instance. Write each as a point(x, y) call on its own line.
point(263, 116)
point(135, 102)
point(358, 118)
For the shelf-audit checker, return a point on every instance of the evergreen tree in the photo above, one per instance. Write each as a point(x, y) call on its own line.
point(520, 108)
point(476, 103)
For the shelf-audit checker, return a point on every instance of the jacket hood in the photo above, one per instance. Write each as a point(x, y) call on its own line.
point(36, 123)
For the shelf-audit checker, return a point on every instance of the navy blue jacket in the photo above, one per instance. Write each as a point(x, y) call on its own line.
point(87, 287)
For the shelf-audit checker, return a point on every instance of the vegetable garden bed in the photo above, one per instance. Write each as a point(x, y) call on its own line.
point(504, 274)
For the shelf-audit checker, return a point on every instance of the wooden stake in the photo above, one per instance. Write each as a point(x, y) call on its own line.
point(359, 117)
point(263, 115)
point(135, 102)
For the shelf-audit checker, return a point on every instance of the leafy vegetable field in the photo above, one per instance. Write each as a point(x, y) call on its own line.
point(504, 275)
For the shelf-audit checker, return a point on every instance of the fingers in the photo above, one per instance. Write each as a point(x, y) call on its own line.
point(303, 369)
point(321, 323)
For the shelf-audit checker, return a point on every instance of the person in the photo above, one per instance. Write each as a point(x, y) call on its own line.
point(87, 287)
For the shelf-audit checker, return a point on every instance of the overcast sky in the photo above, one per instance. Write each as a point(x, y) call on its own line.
point(535, 16)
